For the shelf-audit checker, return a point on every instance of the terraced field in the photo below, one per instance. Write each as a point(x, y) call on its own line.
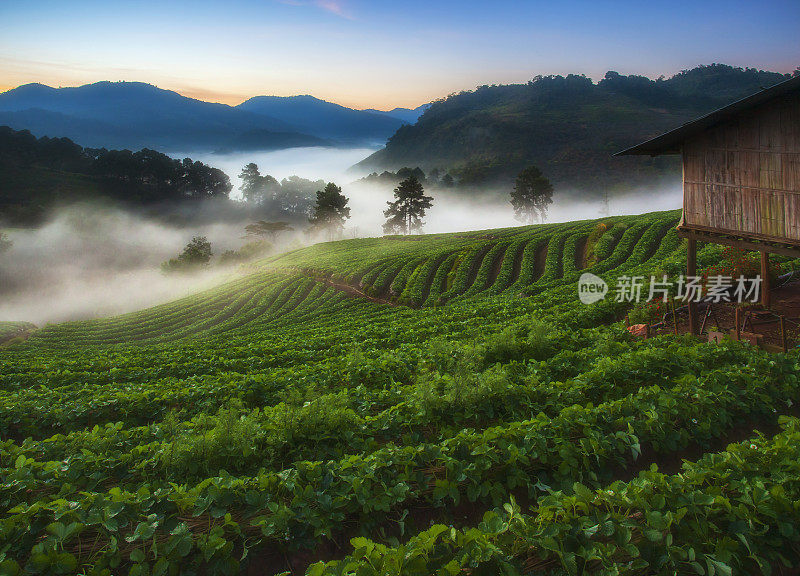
point(437, 404)
point(417, 271)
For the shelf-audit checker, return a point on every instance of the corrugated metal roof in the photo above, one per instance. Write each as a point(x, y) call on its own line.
point(670, 142)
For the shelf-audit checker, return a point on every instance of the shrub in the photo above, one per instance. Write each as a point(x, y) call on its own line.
point(196, 254)
point(533, 340)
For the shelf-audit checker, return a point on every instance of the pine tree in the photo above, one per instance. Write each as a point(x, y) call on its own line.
point(256, 189)
point(331, 211)
point(251, 183)
point(405, 214)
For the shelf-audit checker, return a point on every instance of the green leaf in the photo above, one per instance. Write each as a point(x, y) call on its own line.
point(160, 567)
point(137, 555)
point(64, 563)
point(9, 568)
point(570, 563)
point(591, 531)
point(38, 563)
point(722, 568)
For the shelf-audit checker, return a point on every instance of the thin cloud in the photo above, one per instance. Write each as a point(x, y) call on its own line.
point(333, 6)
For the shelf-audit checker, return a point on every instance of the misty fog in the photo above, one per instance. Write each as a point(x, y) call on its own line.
point(451, 212)
point(89, 261)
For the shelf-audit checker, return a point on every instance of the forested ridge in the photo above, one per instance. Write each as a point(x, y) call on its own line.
point(568, 126)
point(36, 173)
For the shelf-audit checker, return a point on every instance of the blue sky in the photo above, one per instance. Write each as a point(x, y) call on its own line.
point(379, 53)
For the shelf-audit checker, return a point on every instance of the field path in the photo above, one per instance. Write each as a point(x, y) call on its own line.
point(353, 291)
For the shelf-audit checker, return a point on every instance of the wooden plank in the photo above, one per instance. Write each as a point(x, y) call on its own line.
point(748, 133)
point(740, 242)
point(790, 171)
point(749, 168)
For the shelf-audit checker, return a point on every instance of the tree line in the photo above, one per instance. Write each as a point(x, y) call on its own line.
point(137, 177)
point(329, 210)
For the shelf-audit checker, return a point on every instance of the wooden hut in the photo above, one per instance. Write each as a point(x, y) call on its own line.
point(741, 176)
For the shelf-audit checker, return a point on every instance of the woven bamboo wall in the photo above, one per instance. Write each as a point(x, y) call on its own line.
point(744, 176)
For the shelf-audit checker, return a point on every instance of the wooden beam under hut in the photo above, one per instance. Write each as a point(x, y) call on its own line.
point(726, 239)
point(766, 287)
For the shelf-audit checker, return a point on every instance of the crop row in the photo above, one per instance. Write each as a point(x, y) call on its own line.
point(316, 499)
point(353, 420)
point(733, 512)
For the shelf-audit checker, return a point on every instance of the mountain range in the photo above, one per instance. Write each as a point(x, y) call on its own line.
point(568, 126)
point(136, 115)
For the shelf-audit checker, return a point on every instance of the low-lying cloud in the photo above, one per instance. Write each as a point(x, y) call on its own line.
point(89, 262)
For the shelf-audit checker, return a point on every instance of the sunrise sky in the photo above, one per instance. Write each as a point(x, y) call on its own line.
point(379, 53)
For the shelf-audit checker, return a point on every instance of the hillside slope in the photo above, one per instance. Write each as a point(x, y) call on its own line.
point(569, 127)
point(412, 272)
point(421, 405)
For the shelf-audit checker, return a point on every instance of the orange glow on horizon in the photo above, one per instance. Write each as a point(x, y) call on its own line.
point(357, 102)
point(229, 98)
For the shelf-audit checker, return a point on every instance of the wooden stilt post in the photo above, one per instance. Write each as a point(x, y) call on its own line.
point(691, 271)
point(765, 283)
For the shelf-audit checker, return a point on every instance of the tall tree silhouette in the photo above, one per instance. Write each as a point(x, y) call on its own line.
point(405, 214)
point(256, 189)
point(330, 211)
point(251, 182)
point(531, 196)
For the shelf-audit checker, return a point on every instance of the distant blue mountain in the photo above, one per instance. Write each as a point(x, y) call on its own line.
point(40, 122)
point(128, 115)
point(325, 119)
point(136, 115)
point(407, 115)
